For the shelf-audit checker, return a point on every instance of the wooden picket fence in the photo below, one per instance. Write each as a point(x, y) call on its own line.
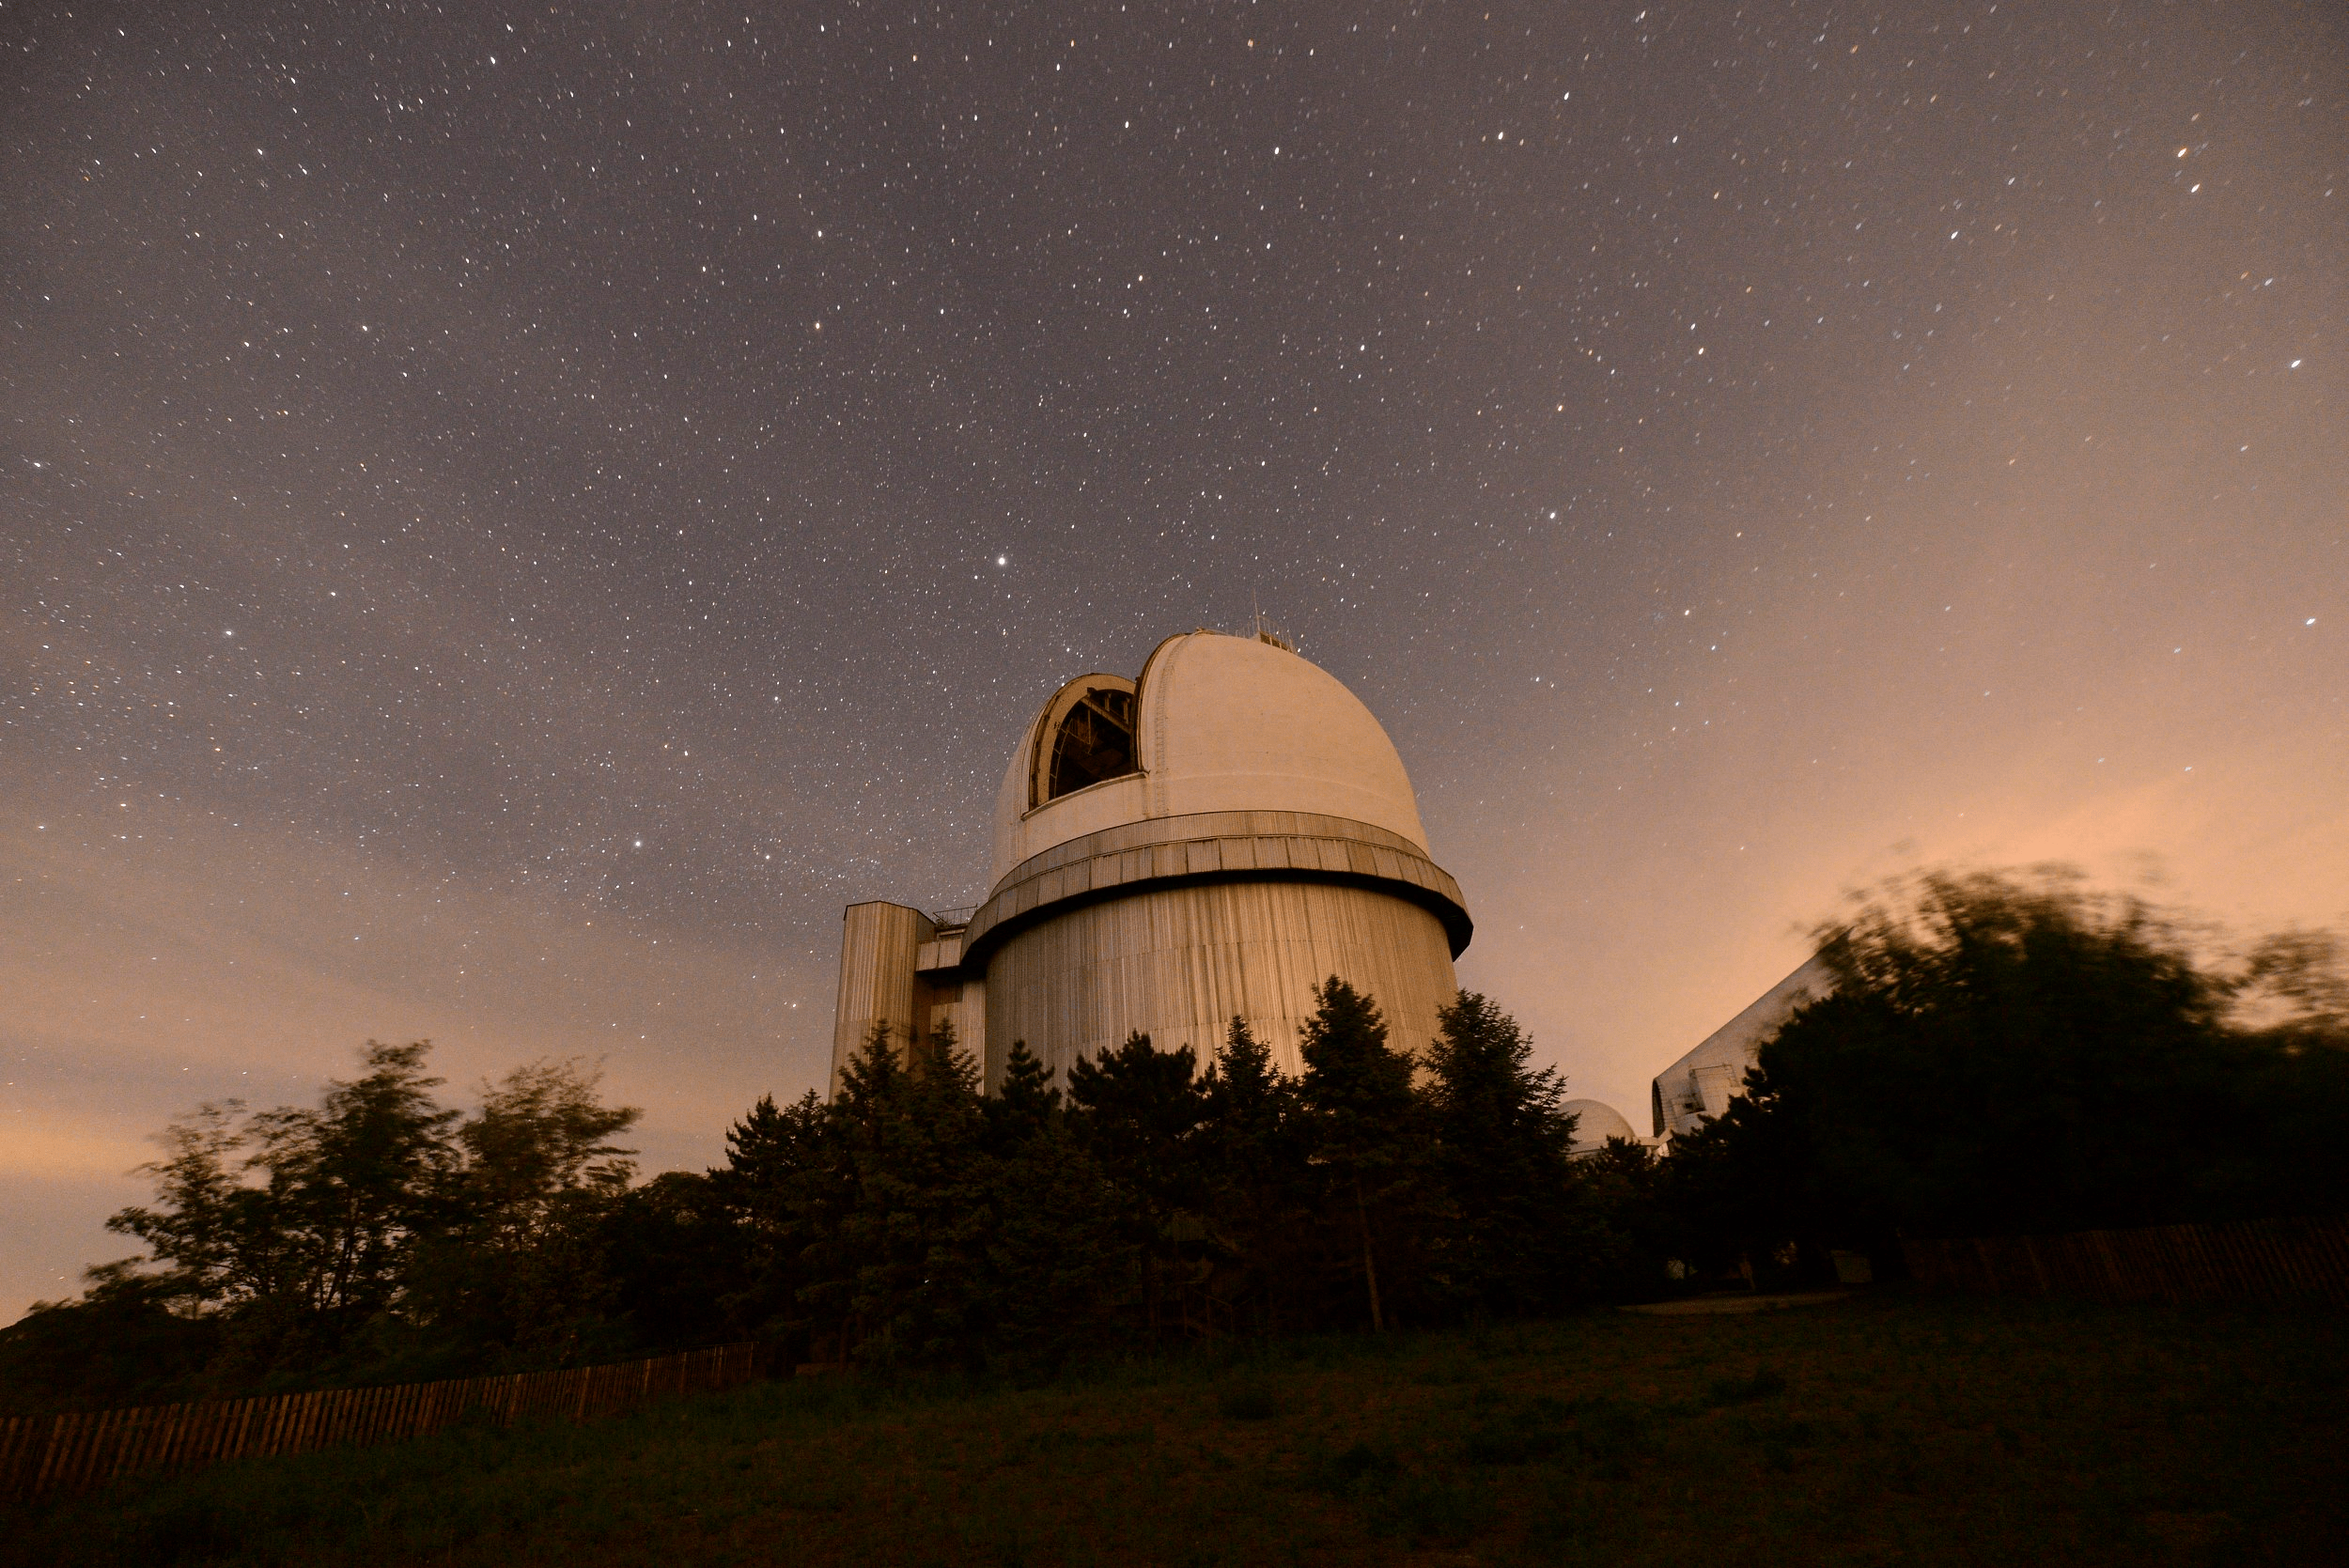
point(68, 1453)
point(2260, 1259)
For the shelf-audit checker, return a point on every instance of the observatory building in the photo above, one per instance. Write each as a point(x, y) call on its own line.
point(1210, 839)
point(1595, 1123)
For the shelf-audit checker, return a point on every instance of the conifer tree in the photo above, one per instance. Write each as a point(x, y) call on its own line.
point(847, 1228)
point(1055, 1262)
point(1137, 1107)
point(1357, 1089)
point(913, 1134)
point(1025, 1104)
point(1135, 1110)
point(785, 1185)
point(1253, 1160)
point(1501, 1147)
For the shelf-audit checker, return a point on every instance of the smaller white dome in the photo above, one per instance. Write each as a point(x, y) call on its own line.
point(1596, 1122)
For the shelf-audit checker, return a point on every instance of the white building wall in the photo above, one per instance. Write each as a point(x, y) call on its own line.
point(1701, 1084)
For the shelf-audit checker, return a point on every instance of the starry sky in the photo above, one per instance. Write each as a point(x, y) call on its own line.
point(510, 517)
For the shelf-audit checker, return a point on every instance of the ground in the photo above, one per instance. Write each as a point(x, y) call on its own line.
point(1880, 1428)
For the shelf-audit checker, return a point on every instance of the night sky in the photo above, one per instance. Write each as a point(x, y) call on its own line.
point(511, 516)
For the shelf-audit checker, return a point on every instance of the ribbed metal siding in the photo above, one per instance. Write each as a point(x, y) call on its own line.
point(1177, 963)
point(879, 946)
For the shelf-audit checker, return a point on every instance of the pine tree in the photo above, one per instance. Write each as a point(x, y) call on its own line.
point(903, 1279)
point(785, 1183)
point(1137, 1107)
point(832, 1203)
point(1025, 1104)
point(1368, 1131)
point(1252, 1162)
point(1503, 1147)
point(1135, 1110)
point(1055, 1262)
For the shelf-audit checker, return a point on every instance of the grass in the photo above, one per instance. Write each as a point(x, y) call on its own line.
point(1887, 1428)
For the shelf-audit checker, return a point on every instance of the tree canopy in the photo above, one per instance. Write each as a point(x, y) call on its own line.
point(1998, 1053)
point(2004, 1054)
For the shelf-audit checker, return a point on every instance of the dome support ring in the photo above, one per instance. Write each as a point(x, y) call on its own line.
point(1213, 846)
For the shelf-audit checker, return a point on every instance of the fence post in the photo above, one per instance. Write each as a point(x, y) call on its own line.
point(53, 1452)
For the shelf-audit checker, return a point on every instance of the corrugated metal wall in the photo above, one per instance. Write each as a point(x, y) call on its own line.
point(878, 945)
point(964, 1006)
point(1178, 962)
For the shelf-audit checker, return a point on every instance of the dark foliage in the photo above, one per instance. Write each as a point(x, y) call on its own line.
point(1369, 1130)
point(915, 1221)
point(673, 1253)
point(902, 1281)
point(377, 1237)
point(1136, 1110)
point(908, 1221)
point(119, 1344)
point(1622, 1236)
point(1255, 1160)
point(1059, 1261)
point(1997, 1056)
point(2002, 1056)
point(1502, 1152)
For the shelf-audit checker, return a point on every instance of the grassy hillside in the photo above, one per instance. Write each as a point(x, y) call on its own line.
point(1879, 1428)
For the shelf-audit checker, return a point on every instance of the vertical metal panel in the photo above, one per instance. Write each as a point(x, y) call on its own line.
point(878, 944)
point(1179, 963)
point(961, 1004)
point(971, 1020)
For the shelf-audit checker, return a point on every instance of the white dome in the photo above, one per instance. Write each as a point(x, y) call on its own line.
point(1598, 1121)
point(1220, 723)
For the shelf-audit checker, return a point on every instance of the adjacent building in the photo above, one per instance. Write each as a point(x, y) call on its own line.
point(1597, 1123)
point(1701, 1083)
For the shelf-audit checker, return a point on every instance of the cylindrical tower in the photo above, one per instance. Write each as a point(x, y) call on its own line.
point(1212, 840)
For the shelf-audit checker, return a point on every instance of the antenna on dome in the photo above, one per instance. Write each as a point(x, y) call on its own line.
point(1263, 634)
